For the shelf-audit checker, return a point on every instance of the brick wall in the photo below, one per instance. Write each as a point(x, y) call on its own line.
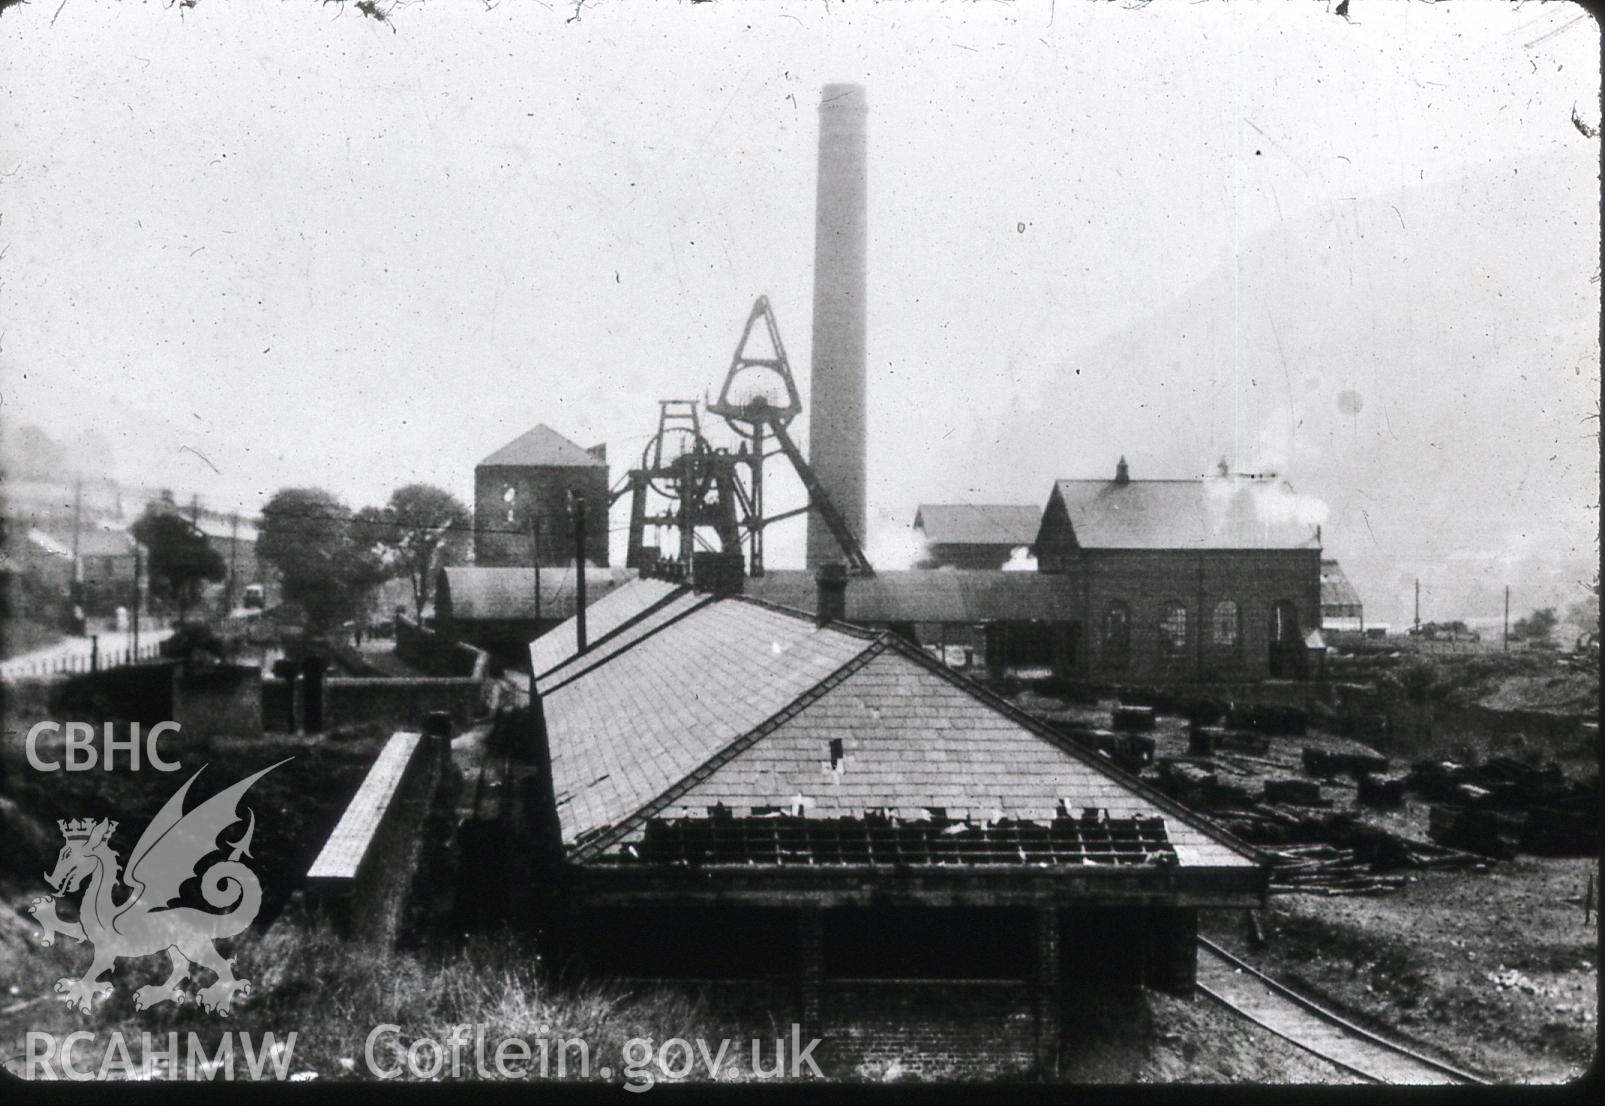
point(930, 1029)
point(1148, 582)
point(368, 907)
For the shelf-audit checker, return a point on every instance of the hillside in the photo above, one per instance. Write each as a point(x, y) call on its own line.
point(1394, 360)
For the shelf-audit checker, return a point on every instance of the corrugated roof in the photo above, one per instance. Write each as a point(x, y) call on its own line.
point(343, 852)
point(736, 703)
point(475, 593)
point(1336, 591)
point(918, 595)
point(542, 446)
point(978, 523)
point(1227, 512)
point(614, 610)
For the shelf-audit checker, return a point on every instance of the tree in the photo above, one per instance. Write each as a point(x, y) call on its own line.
point(180, 558)
point(1536, 627)
point(422, 528)
point(312, 539)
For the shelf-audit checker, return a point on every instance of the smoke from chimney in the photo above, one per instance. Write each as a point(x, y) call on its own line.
point(836, 392)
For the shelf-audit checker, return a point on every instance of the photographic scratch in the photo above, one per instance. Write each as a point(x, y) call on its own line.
point(202, 456)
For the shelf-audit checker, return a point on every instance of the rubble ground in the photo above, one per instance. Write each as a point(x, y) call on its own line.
point(1496, 972)
point(1487, 964)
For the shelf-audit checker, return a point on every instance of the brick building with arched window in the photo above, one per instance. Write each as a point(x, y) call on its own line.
point(1212, 578)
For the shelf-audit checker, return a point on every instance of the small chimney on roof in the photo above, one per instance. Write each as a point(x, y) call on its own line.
point(832, 602)
point(719, 573)
point(1122, 473)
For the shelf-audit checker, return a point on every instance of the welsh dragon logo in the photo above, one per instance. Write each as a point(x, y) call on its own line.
point(145, 918)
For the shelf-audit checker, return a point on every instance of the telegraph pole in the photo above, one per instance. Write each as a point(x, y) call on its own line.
point(136, 599)
point(579, 571)
point(1507, 618)
point(535, 559)
point(233, 556)
point(77, 524)
point(1418, 602)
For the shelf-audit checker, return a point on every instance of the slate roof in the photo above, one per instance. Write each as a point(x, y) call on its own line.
point(49, 544)
point(978, 523)
point(680, 605)
point(476, 593)
point(1336, 591)
point(622, 605)
point(917, 595)
point(542, 447)
point(736, 703)
point(629, 730)
point(342, 853)
point(1230, 512)
point(96, 541)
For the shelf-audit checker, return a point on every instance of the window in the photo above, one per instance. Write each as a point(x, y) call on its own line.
point(1116, 635)
point(1226, 625)
point(1173, 630)
point(509, 493)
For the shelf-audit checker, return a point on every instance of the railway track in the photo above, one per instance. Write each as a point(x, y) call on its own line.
point(1240, 987)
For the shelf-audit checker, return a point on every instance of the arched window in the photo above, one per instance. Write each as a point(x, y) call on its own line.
point(509, 493)
point(1116, 650)
point(1226, 625)
point(1172, 630)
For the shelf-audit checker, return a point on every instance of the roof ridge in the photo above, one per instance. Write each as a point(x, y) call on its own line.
point(734, 747)
point(849, 628)
point(653, 608)
point(1042, 729)
point(652, 633)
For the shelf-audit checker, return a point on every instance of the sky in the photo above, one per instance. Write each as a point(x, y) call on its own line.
point(273, 242)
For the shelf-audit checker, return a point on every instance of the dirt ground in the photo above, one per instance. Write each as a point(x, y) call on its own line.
point(1496, 972)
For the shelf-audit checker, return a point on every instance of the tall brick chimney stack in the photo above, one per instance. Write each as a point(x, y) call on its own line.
point(836, 393)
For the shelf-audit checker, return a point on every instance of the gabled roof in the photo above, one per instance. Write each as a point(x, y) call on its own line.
point(919, 595)
point(629, 730)
point(49, 544)
point(101, 541)
point(543, 447)
point(1217, 512)
point(1336, 591)
point(679, 605)
point(619, 607)
point(978, 523)
point(736, 703)
point(476, 593)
